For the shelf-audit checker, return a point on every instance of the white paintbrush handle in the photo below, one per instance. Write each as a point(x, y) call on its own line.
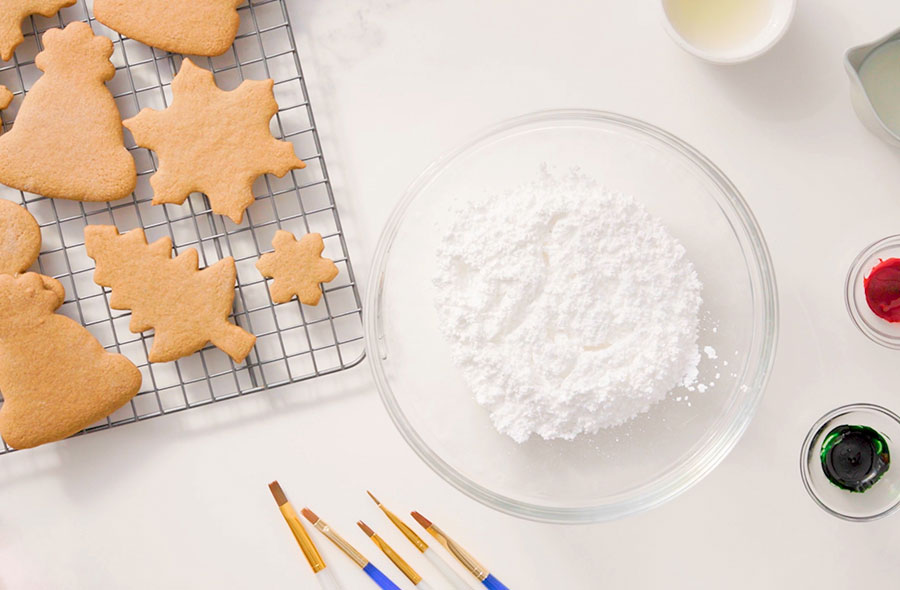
point(455, 581)
point(423, 585)
point(326, 580)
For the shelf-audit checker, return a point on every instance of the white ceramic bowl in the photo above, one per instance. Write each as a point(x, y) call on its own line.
point(769, 34)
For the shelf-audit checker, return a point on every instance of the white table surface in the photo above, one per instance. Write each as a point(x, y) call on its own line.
point(181, 501)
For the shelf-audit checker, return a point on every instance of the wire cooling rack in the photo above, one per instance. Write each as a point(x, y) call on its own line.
point(294, 342)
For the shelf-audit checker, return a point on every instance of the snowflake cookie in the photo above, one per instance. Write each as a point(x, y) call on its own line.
point(213, 141)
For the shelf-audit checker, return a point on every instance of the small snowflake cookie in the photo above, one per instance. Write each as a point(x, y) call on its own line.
point(297, 267)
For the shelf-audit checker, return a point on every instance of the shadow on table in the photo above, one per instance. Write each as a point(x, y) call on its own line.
point(791, 81)
point(85, 462)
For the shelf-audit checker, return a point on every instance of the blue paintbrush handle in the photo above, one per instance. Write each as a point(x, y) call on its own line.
point(493, 583)
point(382, 580)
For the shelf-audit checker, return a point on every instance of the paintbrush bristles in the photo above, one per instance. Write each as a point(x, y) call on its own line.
point(374, 499)
point(369, 532)
point(421, 519)
point(277, 493)
point(310, 515)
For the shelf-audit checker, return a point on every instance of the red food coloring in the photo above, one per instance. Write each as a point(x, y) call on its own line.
point(883, 289)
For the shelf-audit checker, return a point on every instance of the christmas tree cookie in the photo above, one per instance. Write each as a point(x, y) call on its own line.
point(13, 12)
point(195, 27)
point(55, 377)
point(66, 141)
point(212, 141)
point(185, 306)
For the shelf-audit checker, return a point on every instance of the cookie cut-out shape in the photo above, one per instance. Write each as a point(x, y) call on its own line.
point(13, 12)
point(6, 97)
point(195, 27)
point(20, 238)
point(185, 306)
point(67, 140)
point(213, 141)
point(55, 377)
point(297, 268)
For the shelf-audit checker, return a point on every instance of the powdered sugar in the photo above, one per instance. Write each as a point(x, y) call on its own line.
point(568, 308)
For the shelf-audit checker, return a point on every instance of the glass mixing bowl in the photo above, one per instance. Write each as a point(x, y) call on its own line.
point(618, 471)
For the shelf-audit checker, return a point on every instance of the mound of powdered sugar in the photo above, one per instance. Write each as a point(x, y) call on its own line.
point(568, 308)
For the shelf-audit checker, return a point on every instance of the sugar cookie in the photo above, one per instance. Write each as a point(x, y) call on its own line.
point(55, 377)
point(13, 12)
point(212, 141)
point(185, 306)
point(198, 27)
point(297, 267)
point(66, 141)
point(6, 97)
point(20, 238)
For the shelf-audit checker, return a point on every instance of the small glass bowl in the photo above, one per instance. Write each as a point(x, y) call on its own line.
point(877, 329)
point(881, 499)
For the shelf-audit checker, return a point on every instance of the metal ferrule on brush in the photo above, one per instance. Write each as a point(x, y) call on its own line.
point(398, 561)
point(343, 545)
point(469, 562)
point(415, 539)
point(306, 545)
point(404, 528)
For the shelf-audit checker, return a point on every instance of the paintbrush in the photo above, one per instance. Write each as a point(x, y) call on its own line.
point(464, 557)
point(323, 575)
point(398, 561)
point(430, 554)
point(368, 567)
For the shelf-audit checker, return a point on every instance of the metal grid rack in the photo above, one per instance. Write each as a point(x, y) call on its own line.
point(294, 342)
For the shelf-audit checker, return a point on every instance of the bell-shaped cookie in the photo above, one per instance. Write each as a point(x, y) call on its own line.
point(67, 141)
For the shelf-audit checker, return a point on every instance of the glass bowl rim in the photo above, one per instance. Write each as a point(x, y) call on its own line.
point(677, 478)
point(814, 431)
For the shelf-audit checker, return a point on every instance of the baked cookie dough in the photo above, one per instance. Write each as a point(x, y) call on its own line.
point(194, 27)
point(66, 141)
